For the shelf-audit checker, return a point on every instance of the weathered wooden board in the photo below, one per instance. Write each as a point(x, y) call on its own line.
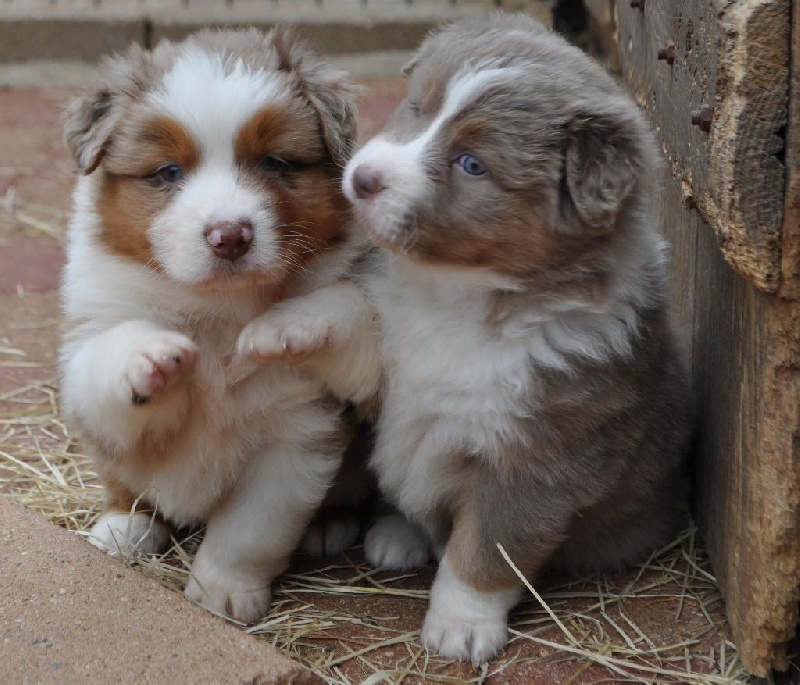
point(790, 265)
point(730, 68)
point(744, 343)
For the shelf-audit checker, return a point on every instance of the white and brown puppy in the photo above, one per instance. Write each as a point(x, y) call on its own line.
point(211, 189)
point(533, 393)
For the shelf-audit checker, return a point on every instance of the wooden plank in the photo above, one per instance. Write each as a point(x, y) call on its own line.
point(731, 57)
point(744, 343)
point(681, 228)
point(791, 215)
point(747, 379)
point(745, 350)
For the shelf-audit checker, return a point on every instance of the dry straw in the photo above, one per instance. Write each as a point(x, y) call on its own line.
point(350, 623)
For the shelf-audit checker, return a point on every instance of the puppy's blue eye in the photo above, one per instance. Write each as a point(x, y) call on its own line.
point(471, 165)
point(415, 109)
point(273, 163)
point(171, 173)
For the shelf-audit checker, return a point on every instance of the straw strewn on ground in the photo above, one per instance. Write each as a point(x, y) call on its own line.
point(660, 623)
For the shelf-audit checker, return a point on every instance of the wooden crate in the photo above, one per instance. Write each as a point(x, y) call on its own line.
point(720, 80)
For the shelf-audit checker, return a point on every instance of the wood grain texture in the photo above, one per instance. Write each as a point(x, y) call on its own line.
point(741, 325)
point(731, 56)
point(790, 266)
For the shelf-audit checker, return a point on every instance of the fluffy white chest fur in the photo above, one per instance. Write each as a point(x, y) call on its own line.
point(453, 382)
point(457, 379)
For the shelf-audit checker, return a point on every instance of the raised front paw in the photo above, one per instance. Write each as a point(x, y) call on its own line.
point(396, 543)
point(285, 335)
point(226, 592)
point(159, 367)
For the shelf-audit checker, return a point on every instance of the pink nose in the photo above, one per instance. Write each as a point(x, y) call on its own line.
point(230, 239)
point(366, 181)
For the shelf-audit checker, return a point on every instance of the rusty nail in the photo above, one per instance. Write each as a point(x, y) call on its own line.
point(667, 52)
point(638, 3)
point(702, 118)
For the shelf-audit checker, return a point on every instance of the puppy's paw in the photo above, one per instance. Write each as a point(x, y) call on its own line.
point(465, 623)
point(125, 534)
point(455, 638)
point(397, 544)
point(159, 367)
point(328, 536)
point(285, 335)
point(246, 600)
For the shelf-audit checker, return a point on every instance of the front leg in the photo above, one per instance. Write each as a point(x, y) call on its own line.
point(127, 380)
point(465, 622)
point(475, 587)
point(330, 330)
point(250, 538)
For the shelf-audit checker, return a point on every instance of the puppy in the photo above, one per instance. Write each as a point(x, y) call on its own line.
point(210, 189)
point(533, 395)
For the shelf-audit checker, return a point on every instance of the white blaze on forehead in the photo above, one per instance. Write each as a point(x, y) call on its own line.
point(213, 102)
point(401, 164)
point(462, 91)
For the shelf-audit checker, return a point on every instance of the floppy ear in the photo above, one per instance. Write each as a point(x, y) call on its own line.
point(603, 160)
point(89, 121)
point(335, 99)
point(91, 118)
point(330, 92)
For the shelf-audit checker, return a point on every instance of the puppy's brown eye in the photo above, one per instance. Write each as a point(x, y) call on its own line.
point(272, 163)
point(171, 173)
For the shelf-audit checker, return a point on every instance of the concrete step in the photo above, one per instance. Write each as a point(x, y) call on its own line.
point(48, 43)
point(85, 29)
point(71, 614)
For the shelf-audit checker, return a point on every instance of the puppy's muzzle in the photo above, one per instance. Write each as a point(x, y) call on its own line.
point(230, 239)
point(366, 181)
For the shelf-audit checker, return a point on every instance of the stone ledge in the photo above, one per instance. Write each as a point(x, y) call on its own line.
point(71, 614)
point(56, 34)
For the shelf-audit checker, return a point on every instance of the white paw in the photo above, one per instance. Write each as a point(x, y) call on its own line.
point(285, 335)
point(122, 534)
point(226, 591)
point(327, 537)
point(476, 641)
point(464, 623)
point(159, 366)
point(396, 543)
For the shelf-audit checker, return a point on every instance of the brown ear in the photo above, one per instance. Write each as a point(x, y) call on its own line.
point(601, 167)
point(89, 122)
point(335, 100)
point(330, 91)
point(91, 118)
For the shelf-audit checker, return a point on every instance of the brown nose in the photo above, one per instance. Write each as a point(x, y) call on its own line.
point(366, 181)
point(230, 239)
